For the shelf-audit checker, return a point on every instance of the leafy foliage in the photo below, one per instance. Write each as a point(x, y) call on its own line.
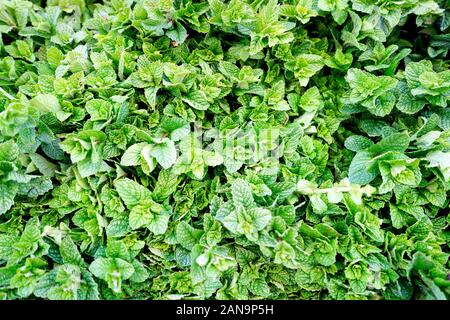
point(279, 149)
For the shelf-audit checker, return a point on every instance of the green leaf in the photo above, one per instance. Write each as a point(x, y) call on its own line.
point(118, 227)
point(112, 270)
point(9, 151)
point(46, 167)
point(242, 193)
point(140, 216)
point(131, 192)
point(399, 218)
point(311, 100)
point(187, 236)
point(132, 156)
point(166, 185)
point(362, 169)
point(69, 252)
point(159, 223)
point(98, 109)
point(261, 217)
point(46, 103)
point(197, 100)
point(7, 193)
point(165, 153)
point(140, 273)
point(394, 142)
point(357, 143)
point(178, 34)
point(260, 288)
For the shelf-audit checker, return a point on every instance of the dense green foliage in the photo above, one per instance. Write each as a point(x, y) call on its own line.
point(173, 149)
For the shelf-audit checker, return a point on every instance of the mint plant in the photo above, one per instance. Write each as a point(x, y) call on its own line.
point(224, 149)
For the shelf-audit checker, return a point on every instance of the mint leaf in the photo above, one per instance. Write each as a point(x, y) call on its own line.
point(131, 192)
point(197, 100)
point(7, 193)
point(224, 150)
point(241, 193)
point(139, 216)
point(165, 153)
point(132, 156)
point(362, 169)
point(178, 34)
